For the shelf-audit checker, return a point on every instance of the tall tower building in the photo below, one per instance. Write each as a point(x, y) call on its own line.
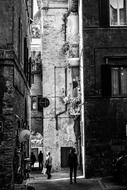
point(60, 79)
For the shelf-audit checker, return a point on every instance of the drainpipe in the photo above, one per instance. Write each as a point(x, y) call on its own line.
point(82, 83)
point(65, 110)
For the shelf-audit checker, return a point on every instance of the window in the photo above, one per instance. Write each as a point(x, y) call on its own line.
point(20, 34)
point(104, 13)
point(36, 61)
point(75, 81)
point(119, 81)
point(118, 12)
point(32, 78)
point(34, 103)
point(25, 57)
point(114, 80)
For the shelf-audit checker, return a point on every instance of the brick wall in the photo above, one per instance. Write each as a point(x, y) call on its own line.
point(14, 93)
point(13, 103)
point(6, 144)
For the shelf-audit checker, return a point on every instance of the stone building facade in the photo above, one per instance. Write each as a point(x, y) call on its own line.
point(60, 80)
point(84, 78)
point(36, 82)
point(105, 86)
point(14, 89)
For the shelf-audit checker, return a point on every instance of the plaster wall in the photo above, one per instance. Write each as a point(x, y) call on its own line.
point(58, 127)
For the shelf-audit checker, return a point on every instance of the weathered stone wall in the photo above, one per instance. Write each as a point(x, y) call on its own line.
point(105, 118)
point(19, 17)
point(58, 127)
point(13, 103)
point(11, 11)
point(6, 23)
point(14, 93)
point(6, 144)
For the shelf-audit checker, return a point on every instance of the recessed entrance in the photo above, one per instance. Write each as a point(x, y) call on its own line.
point(64, 156)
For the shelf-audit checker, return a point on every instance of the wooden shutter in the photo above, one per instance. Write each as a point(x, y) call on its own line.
point(26, 58)
point(29, 72)
point(104, 13)
point(106, 80)
point(25, 55)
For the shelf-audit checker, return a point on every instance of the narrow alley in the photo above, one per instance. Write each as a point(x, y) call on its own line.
point(63, 94)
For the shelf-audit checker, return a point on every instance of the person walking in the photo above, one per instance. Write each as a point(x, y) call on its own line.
point(73, 162)
point(32, 159)
point(40, 160)
point(48, 165)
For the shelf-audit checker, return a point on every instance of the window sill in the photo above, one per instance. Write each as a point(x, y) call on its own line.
point(111, 26)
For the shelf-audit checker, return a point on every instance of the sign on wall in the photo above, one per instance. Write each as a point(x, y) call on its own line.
point(42, 103)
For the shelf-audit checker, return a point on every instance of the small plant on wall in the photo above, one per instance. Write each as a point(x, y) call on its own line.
point(64, 25)
point(74, 105)
point(65, 47)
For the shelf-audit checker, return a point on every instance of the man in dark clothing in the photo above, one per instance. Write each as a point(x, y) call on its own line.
point(40, 160)
point(32, 159)
point(73, 162)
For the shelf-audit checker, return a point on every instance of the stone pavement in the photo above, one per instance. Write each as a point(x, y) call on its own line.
point(109, 183)
point(60, 181)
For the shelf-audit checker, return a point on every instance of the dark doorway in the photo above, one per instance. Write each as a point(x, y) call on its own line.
point(64, 156)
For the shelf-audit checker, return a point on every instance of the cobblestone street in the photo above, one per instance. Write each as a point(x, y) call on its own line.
point(87, 184)
point(63, 184)
point(60, 181)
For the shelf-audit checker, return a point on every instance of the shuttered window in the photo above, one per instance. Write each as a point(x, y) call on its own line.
point(104, 13)
point(106, 80)
point(25, 56)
